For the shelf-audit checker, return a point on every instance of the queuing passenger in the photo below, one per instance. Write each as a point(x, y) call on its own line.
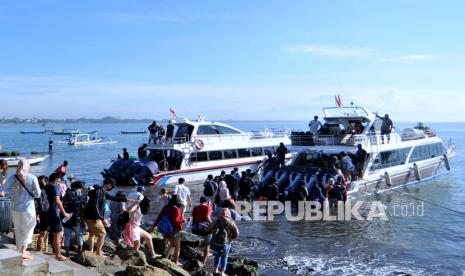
point(184, 195)
point(281, 152)
point(125, 154)
point(301, 192)
point(142, 153)
point(74, 203)
point(94, 214)
point(163, 200)
point(315, 125)
point(271, 163)
point(132, 231)
point(360, 159)
point(177, 220)
point(42, 222)
point(231, 183)
point(220, 177)
point(210, 188)
point(23, 188)
point(4, 172)
point(223, 193)
point(169, 133)
point(347, 166)
point(224, 231)
point(272, 190)
point(56, 207)
point(153, 130)
point(116, 209)
point(336, 192)
point(245, 187)
point(201, 219)
point(386, 127)
point(316, 194)
point(235, 173)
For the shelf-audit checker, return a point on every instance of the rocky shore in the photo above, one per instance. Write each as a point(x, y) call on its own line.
point(125, 261)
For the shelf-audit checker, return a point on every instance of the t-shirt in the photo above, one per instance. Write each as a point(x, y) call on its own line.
point(52, 192)
point(314, 125)
point(200, 213)
point(183, 192)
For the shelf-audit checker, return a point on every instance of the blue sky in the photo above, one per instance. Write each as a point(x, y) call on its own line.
point(231, 59)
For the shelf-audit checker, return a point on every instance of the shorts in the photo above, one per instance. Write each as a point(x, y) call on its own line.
point(54, 223)
point(136, 233)
point(176, 235)
point(96, 227)
point(44, 222)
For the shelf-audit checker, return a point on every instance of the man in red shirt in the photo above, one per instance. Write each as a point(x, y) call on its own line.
point(201, 219)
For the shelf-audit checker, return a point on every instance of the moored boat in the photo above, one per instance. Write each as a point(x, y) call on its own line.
point(86, 139)
point(66, 132)
point(33, 160)
point(134, 132)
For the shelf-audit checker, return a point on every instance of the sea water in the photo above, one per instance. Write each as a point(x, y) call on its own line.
point(430, 244)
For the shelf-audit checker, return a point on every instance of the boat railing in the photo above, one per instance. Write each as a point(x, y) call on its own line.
point(266, 134)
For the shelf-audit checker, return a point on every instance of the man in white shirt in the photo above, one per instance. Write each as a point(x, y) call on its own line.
point(184, 194)
point(315, 125)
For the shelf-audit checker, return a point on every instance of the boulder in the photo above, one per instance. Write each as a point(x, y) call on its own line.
point(202, 272)
point(191, 253)
point(241, 266)
point(189, 239)
point(161, 246)
point(132, 257)
point(169, 266)
point(147, 270)
point(192, 265)
point(109, 246)
point(88, 258)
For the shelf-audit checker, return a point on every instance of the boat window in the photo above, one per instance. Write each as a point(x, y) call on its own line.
point(208, 130)
point(184, 131)
point(227, 130)
point(256, 151)
point(199, 156)
point(390, 158)
point(215, 155)
point(428, 151)
point(229, 154)
point(243, 153)
point(268, 150)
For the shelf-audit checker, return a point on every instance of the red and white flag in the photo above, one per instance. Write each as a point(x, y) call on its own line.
point(338, 100)
point(173, 112)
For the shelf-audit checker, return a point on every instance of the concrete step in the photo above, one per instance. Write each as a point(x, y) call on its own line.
point(65, 268)
point(37, 267)
point(10, 258)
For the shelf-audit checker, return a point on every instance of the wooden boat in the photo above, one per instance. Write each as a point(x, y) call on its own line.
point(134, 132)
point(86, 139)
point(66, 132)
point(33, 132)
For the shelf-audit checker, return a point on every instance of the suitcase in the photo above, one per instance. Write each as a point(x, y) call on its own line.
point(6, 221)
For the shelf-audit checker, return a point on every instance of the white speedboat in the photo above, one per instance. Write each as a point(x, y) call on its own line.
point(409, 156)
point(86, 139)
point(33, 160)
point(199, 148)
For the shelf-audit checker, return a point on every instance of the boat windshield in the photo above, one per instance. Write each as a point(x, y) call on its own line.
point(183, 132)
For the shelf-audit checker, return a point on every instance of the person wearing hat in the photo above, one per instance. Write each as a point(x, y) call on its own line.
point(201, 219)
point(94, 213)
point(132, 231)
point(386, 127)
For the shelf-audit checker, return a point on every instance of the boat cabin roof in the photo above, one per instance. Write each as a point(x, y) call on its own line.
point(201, 127)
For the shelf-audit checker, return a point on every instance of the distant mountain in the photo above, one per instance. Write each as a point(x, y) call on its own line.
point(104, 120)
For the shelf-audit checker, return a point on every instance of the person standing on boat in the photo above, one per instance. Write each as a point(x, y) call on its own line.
point(315, 125)
point(169, 133)
point(161, 134)
point(142, 153)
point(281, 152)
point(153, 129)
point(360, 158)
point(386, 127)
point(125, 154)
point(3, 172)
point(184, 194)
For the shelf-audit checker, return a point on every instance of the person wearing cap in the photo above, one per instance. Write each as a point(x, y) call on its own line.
point(386, 127)
point(94, 213)
point(201, 219)
point(132, 231)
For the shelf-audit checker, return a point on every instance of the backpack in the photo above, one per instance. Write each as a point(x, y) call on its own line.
point(337, 192)
point(123, 219)
point(165, 226)
point(221, 237)
point(145, 205)
point(209, 189)
point(42, 202)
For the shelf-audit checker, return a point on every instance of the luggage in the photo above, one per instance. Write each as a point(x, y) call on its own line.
point(6, 221)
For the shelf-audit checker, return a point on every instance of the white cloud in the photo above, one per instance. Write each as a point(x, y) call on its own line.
point(408, 58)
point(332, 51)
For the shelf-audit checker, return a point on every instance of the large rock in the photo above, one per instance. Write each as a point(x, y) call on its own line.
point(88, 258)
point(189, 239)
point(109, 246)
point(132, 257)
point(169, 266)
point(241, 266)
point(202, 272)
point(192, 265)
point(161, 246)
point(191, 253)
point(147, 270)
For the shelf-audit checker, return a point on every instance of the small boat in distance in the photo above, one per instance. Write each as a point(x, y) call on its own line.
point(33, 132)
point(33, 160)
point(134, 132)
point(86, 139)
point(65, 131)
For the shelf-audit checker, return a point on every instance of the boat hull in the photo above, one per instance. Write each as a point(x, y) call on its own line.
point(13, 161)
